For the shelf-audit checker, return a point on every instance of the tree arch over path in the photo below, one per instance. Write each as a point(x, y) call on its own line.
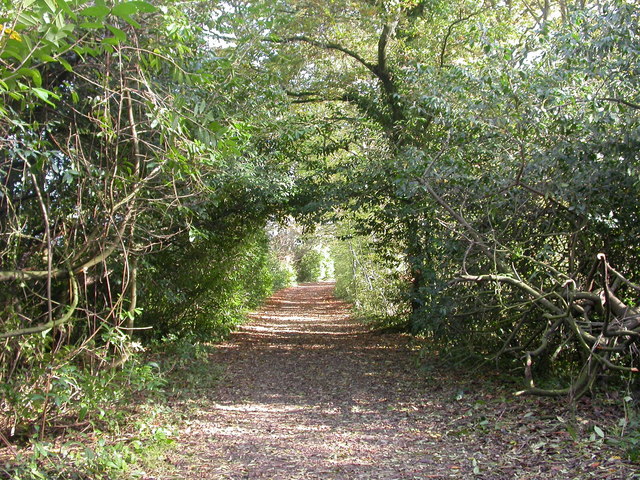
point(493, 149)
point(493, 143)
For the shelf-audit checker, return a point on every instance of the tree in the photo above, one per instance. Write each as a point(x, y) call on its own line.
point(474, 135)
point(118, 157)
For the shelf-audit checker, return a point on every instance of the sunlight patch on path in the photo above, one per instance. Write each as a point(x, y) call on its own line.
point(309, 394)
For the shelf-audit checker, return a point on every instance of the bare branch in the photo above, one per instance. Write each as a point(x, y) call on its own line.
point(52, 323)
point(538, 296)
point(622, 101)
point(443, 50)
point(327, 46)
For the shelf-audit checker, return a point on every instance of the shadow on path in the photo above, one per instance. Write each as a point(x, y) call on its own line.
point(310, 394)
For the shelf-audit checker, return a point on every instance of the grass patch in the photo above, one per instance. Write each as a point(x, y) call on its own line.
point(127, 433)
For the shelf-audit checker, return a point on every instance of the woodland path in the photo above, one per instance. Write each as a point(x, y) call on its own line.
point(308, 393)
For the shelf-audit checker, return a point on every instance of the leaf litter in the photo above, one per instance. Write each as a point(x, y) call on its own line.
point(309, 393)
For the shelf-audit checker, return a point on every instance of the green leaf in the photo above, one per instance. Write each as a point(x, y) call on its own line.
point(66, 9)
point(59, 21)
point(99, 11)
point(55, 36)
point(126, 9)
point(65, 64)
point(52, 5)
point(70, 176)
point(46, 58)
point(146, 7)
point(27, 20)
point(16, 95)
point(132, 22)
point(33, 73)
point(110, 41)
point(117, 33)
point(598, 431)
point(44, 95)
point(92, 25)
point(8, 52)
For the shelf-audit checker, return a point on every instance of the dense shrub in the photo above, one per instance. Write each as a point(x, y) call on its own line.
point(314, 262)
point(206, 287)
point(375, 286)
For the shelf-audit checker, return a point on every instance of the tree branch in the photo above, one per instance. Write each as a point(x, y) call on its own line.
point(538, 297)
point(53, 323)
point(387, 31)
point(473, 233)
point(327, 46)
point(622, 101)
point(443, 50)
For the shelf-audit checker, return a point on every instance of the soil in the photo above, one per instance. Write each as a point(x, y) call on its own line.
point(309, 393)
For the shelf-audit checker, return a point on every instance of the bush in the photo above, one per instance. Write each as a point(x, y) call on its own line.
point(205, 288)
point(314, 263)
point(283, 274)
point(373, 285)
point(310, 267)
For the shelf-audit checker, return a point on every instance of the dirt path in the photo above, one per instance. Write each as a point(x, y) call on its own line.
point(309, 394)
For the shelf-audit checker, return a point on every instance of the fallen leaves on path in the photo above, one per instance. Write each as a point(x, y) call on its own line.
point(310, 394)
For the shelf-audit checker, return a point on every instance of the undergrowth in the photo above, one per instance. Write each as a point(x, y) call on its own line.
point(121, 425)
